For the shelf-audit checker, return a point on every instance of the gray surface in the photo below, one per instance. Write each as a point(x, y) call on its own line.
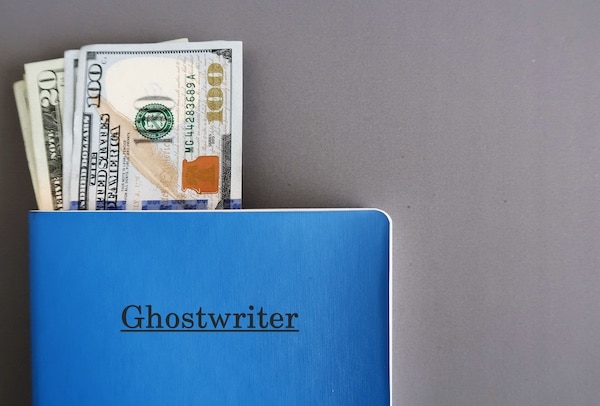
point(475, 125)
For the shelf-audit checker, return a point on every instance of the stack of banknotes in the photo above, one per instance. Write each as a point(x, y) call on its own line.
point(135, 126)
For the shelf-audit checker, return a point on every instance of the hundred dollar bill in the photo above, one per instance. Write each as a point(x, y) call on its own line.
point(71, 60)
point(44, 82)
point(20, 91)
point(158, 126)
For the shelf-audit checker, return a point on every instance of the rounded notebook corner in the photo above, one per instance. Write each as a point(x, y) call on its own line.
point(385, 214)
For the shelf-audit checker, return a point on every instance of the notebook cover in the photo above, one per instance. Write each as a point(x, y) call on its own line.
point(262, 307)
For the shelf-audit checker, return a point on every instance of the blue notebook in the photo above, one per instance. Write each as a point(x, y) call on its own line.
point(264, 307)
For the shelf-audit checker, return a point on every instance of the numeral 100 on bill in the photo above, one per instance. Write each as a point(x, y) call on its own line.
point(214, 97)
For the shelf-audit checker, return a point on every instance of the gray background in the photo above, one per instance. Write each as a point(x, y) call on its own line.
point(474, 124)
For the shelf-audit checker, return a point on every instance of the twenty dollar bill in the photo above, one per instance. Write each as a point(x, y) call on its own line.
point(158, 126)
point(44, 81)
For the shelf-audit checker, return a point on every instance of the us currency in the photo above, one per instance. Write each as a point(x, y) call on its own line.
point(44, 82)
point(71, 60)
point(20, 92)
point(158, 126)
point(45, 108)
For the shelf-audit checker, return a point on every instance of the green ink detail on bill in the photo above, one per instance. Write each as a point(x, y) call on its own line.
point(154, 121)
